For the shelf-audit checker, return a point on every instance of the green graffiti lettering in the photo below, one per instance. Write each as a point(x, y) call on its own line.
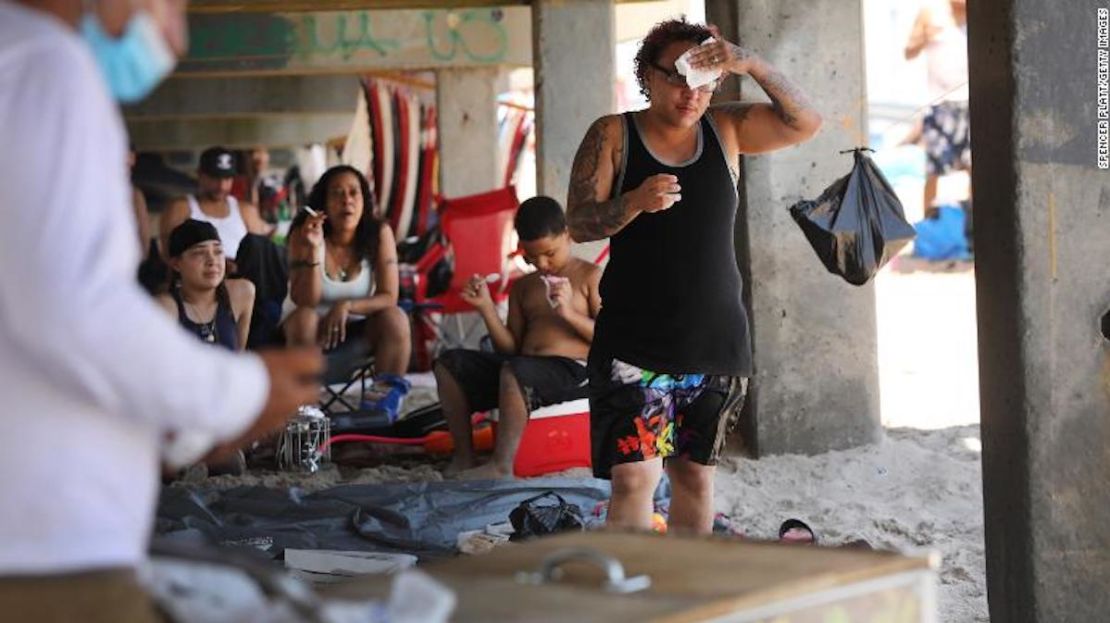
point(474, 24)
point(345, 43)
point(476, 36)
point(229, 37)
point(366, 40)
point(310, 44)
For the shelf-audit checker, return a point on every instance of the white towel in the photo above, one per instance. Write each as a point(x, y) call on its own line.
point(696, 77)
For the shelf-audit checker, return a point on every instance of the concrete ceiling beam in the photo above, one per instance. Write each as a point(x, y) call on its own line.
point(267, 6)
point(275, 131)
point(222, 98)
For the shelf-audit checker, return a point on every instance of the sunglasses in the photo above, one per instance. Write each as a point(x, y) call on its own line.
point(672, 77)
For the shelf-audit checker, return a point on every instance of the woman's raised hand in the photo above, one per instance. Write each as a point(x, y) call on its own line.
point(313, 229)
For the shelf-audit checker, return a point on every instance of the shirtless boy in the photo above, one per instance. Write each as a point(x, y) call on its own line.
point(540, 354)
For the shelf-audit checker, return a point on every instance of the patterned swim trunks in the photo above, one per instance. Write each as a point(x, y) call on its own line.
point(638, 415)
point(947, 135)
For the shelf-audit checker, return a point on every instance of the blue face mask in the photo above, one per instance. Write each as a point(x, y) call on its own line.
point(134, 63)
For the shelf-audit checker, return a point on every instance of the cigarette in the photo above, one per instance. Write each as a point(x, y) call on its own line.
point(493, 278)
point(311, 212)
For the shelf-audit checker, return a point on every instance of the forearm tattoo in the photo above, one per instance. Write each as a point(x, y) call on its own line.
point(595, 221)
point(583, 174)
point(587, 218)
point(739, 53)
point(788, 101)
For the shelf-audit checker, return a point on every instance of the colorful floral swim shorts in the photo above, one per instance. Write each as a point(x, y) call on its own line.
point(638, 415)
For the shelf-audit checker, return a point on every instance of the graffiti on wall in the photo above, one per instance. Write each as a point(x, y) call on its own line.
point(356, 38)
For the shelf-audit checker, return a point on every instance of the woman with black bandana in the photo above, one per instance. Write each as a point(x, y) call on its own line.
point(215, 309)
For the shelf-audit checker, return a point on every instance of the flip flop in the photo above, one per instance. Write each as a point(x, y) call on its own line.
point(860, 544)
point(795, 531)
point(723, 524)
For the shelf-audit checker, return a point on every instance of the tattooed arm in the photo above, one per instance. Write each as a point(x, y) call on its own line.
point(592, 212)
point(789, 119)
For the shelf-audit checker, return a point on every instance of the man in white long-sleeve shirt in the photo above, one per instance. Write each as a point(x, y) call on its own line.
point(92, 374)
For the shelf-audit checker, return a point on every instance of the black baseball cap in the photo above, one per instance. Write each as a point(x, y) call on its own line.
point(217, 162)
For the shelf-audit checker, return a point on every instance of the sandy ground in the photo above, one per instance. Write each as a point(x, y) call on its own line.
point(919, 490)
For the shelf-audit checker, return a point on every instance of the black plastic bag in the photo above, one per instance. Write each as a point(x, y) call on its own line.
point(531, 519)
point(857, 224)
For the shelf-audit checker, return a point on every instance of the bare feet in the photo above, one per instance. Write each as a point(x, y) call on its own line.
point(457, 465)
point(489, 471)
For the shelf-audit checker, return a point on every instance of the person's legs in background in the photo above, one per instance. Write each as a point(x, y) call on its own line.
point(300, 327)
point(512, 417)
point(526, 383)
point(632, 502)
point(390, 339)
point(691, 509)
point(930, 194)
point(946, 133)
point(706, 410)
point(456, 410)
point(626, 418)
point(467, 383)
point(936, 145)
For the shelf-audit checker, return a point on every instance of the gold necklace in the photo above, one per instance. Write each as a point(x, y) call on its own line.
point(341, 272)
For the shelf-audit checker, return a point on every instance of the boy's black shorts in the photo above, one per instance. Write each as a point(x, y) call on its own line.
point(638, 415)
point(544, 380)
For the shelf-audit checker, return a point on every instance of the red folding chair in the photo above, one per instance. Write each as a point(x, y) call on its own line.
point(480, 236)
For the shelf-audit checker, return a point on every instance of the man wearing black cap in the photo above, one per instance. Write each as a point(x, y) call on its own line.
point(215, 204)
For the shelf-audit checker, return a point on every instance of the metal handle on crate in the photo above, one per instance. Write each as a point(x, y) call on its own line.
point(616, 582)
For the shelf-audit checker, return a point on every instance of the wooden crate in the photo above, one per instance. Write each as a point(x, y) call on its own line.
point(692, 579)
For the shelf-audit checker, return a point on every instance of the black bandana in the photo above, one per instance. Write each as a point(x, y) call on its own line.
point(189, 233)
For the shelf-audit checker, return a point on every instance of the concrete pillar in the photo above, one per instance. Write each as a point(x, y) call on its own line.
point(467, 109)
point(1042, 221)
point(573, 56)
point(816, 384)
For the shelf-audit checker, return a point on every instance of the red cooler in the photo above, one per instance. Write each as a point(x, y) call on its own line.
point(556, 437)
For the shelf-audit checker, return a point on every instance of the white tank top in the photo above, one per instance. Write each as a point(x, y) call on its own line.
point(232, 228)
point(333, 291)
point(946, 59)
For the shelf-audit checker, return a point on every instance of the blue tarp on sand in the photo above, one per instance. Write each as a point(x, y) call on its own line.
point(423, 519)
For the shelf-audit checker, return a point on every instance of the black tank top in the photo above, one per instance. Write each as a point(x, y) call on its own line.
point(671, 293)
point(222, 331)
